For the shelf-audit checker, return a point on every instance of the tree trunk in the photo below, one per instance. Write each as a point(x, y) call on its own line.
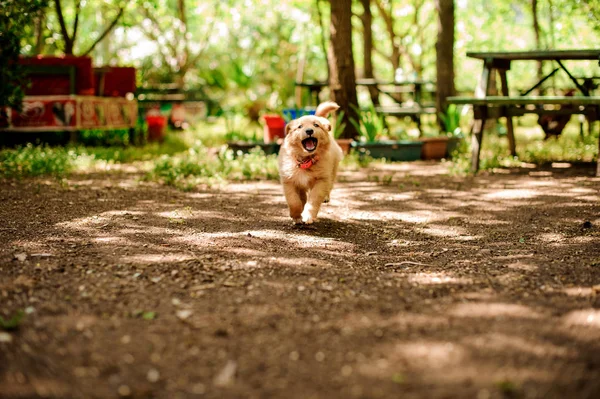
point(40, 22)
point(367, 20)
point(445, 53)
point(323, 38)
point(538, 43)
point(342, 79)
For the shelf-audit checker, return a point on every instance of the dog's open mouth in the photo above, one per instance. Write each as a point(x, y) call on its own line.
point(310, 144)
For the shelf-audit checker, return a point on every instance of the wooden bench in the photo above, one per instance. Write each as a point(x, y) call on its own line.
point(507, 106)
point(414, 112)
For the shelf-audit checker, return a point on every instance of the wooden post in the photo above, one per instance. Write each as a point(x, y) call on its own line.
point(480, 115)
point(477, 135)
point(509, 122)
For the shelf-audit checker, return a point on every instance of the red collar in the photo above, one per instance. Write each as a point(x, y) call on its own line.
point(308, 162)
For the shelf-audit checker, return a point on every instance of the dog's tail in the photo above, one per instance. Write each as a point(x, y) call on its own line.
point(325, 108)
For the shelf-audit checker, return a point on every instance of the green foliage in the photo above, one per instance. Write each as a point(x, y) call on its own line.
point(356, 161)
point(234, 130)
point(339, 126)
point(14, 15)
point(570, 146)
point(197, 166)
point(370, 124)
point(32, 160)
point(451, 120)
point(12, 323)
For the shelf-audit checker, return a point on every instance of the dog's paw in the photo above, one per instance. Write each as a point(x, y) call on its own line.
point(297, 221)
point(307, 219)
point(326, 200)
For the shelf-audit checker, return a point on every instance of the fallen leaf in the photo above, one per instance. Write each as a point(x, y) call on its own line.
point(21, 257)
point(149, 315)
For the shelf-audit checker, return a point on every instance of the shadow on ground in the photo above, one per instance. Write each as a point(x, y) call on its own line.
point(412, 284)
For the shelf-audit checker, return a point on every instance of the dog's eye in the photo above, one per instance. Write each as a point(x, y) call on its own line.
point(300, 127)
point(316, 125)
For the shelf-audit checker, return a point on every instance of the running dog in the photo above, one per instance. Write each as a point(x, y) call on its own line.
point(308, 163)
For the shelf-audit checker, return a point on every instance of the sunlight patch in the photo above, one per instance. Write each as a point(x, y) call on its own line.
point(156, 258)
point(493, 310)
point(443, 231)
point(431, 354)
point(512, 194)
point(512, 343)
point(436, 278)
point(551, 237)
point(585, 317)
point(528, 267)
point(579, 291)
point(112, 240)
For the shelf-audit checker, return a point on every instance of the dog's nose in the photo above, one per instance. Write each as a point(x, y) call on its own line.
point(309, 132)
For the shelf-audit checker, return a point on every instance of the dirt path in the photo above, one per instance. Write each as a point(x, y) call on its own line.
point(425, 286)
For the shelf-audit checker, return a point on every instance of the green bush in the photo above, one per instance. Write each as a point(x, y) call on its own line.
point(197, 166)
point(32, 160)
point(370, 125)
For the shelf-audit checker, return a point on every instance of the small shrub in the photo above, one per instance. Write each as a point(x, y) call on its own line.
point(339, 126)
point(370, 124)
point(198, 167)
point(33, 160)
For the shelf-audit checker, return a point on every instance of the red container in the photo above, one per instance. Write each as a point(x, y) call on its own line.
point(50, 82)
point(114, 81)
point(156, 127)
point(274, 128)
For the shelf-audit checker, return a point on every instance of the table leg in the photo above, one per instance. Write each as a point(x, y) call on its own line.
point(509, 121)
point(597, 156)
point(477, 136)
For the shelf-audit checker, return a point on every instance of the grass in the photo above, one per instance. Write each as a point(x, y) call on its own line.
point(59, 162)
point(570, 146)
point(185, 160)
point(198, 166)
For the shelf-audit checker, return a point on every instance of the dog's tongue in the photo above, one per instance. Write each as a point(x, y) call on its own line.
point(310, 145)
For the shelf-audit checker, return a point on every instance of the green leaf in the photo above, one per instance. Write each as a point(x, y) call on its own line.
point(149, 315)
point(13, 322)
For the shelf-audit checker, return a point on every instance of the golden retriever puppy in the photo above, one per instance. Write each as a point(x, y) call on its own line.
point(308, 163)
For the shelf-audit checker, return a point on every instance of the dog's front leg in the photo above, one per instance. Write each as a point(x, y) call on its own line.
point(315, 198)
point(295, 199)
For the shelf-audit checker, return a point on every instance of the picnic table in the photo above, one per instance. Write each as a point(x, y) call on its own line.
point(487, 106)
point(408, 96)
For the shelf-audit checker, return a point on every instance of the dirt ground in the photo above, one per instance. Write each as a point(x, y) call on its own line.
point(413, 284)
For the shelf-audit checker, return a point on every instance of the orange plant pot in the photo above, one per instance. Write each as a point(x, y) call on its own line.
point(344, 145)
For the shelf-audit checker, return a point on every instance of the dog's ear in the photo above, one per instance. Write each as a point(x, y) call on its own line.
point(288, 127)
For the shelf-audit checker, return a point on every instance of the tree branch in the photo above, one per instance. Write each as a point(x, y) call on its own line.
point(76, 24)
point(106, 31)
point(169, 44)
point(63, 26)
point(209, 32)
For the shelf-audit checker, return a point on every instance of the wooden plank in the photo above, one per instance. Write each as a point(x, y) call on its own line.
point(406, 110)
point(524, 100)
point(540, 55)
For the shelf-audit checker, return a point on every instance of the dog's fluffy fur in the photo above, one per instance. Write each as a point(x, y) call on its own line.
point(308, 163)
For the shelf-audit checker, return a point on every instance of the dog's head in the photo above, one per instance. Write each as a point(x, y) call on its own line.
point(308, 135)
